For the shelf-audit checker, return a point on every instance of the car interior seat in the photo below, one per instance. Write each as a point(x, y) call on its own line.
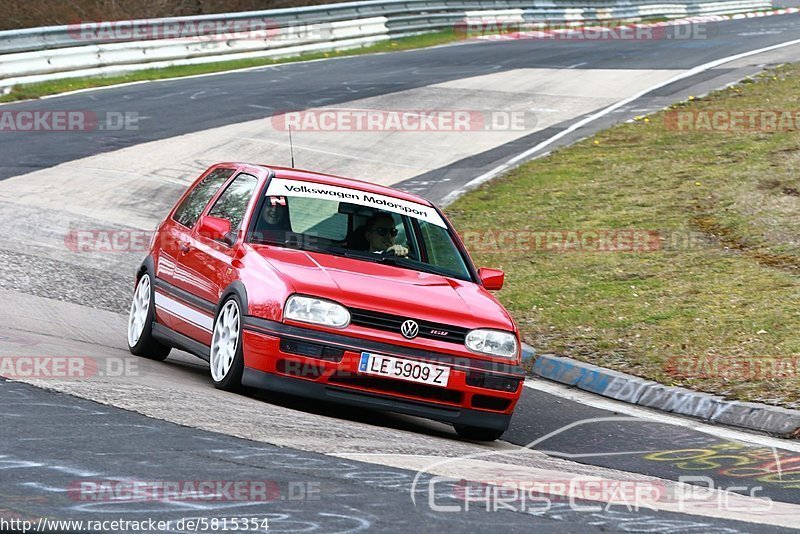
point(356, 238)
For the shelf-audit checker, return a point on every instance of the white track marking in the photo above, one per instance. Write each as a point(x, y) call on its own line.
point(384, 157)
point(646, 414)
point(485, 177)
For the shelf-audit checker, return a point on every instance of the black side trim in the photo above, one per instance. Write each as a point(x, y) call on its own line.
point(148, 265)
point(275, 328)
point(187, 297)
point(179, 341)
point(262, 199)
point(293, 386)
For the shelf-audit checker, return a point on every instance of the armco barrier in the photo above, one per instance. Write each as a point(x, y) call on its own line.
point(38, 54)
point(75, 61)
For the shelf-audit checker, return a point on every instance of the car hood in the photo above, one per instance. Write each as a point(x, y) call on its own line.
point(388, 289)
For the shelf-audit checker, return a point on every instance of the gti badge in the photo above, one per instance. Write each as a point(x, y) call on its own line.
point(409, 329)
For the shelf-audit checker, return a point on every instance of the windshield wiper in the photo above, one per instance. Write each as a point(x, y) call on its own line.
point(300, 245)
point(424, 267)
point(270, 242)
point(384, 259)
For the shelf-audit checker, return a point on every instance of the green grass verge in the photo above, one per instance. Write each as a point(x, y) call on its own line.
point(37, 90)
point(717, 306)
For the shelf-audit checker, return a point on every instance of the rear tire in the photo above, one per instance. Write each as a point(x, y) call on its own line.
point(140, 322)
point(477, 433)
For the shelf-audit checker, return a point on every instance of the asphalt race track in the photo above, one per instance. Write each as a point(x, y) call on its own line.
point(325, 468)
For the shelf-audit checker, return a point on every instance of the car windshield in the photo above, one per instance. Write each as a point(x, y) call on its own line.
point(357, 224)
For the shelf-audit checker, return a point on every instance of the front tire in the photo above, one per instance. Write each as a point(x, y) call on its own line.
point(226, 357)
point(477, 433)
point(140, 322)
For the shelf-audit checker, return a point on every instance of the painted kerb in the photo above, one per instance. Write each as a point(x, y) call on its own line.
point(635, 390)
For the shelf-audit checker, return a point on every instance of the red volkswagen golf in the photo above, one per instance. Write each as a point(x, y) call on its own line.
point(329, 288)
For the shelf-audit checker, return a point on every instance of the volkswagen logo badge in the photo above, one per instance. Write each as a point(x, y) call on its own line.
point(409, 329)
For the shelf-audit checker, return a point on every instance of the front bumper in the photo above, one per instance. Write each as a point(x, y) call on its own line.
point(324, 365)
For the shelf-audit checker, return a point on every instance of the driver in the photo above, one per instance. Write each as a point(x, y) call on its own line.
point(273, 222)
point(380, 233)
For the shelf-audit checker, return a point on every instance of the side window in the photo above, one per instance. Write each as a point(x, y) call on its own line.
point(232, 203)
point(442, 252)
point(194, 204)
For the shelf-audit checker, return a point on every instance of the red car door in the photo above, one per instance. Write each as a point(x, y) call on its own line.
point(207, 265)
point(174, 237)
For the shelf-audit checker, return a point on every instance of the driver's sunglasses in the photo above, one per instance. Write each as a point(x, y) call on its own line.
point(383, 231)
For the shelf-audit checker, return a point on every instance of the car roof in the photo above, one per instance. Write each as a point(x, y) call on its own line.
point(340, 181)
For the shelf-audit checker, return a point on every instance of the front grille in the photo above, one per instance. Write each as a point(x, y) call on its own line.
point(391, 323)
point(396, 386)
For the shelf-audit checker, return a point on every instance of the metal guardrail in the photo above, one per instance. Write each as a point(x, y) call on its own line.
point(396, 11)
point(36, 54)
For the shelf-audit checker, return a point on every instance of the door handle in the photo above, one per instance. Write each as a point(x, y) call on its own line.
point(184, 247)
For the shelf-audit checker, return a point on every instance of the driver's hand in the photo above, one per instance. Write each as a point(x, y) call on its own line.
point(398, 250)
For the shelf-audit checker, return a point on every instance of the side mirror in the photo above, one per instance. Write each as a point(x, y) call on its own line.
point(216, 229)
point(492, 278)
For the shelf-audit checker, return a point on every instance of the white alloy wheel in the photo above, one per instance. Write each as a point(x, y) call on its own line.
point(225, 340)
point(139, 310)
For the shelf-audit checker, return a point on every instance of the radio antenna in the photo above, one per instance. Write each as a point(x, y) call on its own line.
point(291, 147)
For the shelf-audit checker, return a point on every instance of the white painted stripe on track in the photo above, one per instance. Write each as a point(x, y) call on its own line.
point(184, 312)
point(647, 414)
point(513, 162)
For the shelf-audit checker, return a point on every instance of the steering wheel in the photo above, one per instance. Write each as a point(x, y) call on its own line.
point(391, 252)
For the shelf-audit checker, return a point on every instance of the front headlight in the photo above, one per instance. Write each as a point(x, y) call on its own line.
point(492, 342)
point(317, 311)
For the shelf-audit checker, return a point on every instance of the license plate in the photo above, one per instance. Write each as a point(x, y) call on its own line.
point(424, 373)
